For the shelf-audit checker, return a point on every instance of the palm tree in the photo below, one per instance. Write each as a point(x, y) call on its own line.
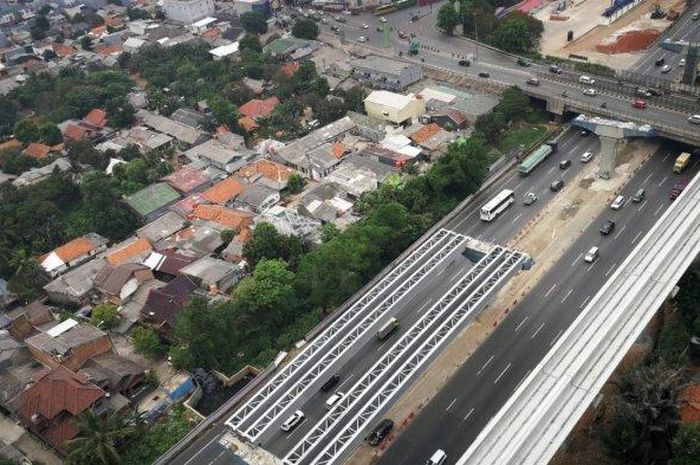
point(96, 442)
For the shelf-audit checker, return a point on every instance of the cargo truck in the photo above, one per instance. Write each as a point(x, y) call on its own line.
point(537, 157)
point(681, 162)
point(678, 188)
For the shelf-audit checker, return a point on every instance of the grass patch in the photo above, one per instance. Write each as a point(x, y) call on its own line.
point(520, 136)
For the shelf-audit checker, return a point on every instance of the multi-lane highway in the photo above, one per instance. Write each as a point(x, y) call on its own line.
point(486, 380)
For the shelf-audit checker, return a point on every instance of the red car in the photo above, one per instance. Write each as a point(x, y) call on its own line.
point(402, 34)
point(641, 104)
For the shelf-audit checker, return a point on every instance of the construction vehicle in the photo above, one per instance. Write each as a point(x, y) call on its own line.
point(681, 162)
point(658, 12)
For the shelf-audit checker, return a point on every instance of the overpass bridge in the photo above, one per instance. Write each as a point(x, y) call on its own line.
point(539, 416)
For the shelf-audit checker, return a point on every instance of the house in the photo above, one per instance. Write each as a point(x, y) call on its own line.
point(158, 229)
point(234, 250)
point(224, 191)
point(257, 198)
point(266, 173)
point(72, 253)
point(96, 119)
point(130, 312)
point(187, 11)
point(119, 283)
point(385, 73)
point(77, 285)
point(396, 108)
point(133, 44)
point(76, 132)
point(18, 370)
point(132, 250)
point(186, 180)
point(313, 155)
point(248, 124)
point(325, 203)
point(37, 151)
point(212, 274)
point(450, 119)
point(166, 265)
point(199, 239)
point(36, 175)
point(114, 374)
point(26, 321)
point(49, 407)
point(152, 201)
point(290, 223)
point(257, 108)
point(431, 137)
point(384, 163)
point(224, 218)
point(183, 133)
point(224, 155)
point(284, 47)
point(186, 206)
point(69, 343)
point(144, 138)
point(165, 303)
point(355, 181)
point(231, 50)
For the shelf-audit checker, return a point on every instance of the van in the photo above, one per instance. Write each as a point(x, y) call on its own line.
point(586, 80)
point(438, 458)
point(328, 385)
point(592, 255)
point(334, 399)
point(639, 195)
point(533, 81)
point(387, 329)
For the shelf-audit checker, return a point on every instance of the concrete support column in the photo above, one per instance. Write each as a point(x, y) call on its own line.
point(611, 141)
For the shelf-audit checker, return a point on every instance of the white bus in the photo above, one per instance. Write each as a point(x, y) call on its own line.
point(497, 205)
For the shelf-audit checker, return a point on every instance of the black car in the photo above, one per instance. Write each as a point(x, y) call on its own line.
point(660, 62)
point(380, 432)
point(484, 74)
point(655, 92)
point(328, 385)
point(464, 63)
point(556, 186)
point(607, 228)
point(564, 164)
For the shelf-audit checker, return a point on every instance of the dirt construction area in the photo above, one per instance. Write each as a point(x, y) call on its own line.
point(546, 238)
point(612, 42)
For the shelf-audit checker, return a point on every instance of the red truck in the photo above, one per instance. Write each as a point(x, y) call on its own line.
point(681, 184)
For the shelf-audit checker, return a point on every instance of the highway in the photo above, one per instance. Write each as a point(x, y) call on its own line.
point(453, 419)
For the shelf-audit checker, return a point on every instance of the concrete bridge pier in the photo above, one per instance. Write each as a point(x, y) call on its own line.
point(612, 139)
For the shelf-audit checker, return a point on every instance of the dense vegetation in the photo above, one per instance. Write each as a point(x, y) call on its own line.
point(291, 288)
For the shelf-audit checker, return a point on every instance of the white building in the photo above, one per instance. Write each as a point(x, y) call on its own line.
point(230, 50)
point(188, 11)
point(396, 108)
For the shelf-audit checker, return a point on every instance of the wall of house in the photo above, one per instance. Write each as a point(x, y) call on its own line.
point(80, 355)
point(410, 111)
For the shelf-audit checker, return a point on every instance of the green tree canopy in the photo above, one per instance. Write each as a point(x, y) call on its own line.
point(105, 316)
point(251, 41)
point(686, 445)
point(50, 134)
point(254, 22)
point(305, 29)
point(447, 18)
point(98, 439)
point(147, 342)
point(26, 131)
point(295, 183)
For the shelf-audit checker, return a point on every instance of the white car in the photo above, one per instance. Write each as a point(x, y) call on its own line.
point(586, 157)
point(334, 399)
point(586, 80)
point(665, 69)
point(382, 19)
point(591, 255)
point(590, 92)
point(682, 62)
point(293, 421)
point(618, 202)
point(695, 119)
point(362, 39)
point(365, 26)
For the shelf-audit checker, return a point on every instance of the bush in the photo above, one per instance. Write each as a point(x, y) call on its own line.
point(305, 29)
point(147, 342)
point(254, 22)
point(105, 316)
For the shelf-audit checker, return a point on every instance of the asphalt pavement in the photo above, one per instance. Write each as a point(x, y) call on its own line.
point(453, 419)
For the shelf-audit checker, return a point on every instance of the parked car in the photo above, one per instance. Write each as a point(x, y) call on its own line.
point(618, 202)
point(682, 62)
point(556, 186)
point(655, 92)
point(464, 63)
point(660, 61)
point(529, 198)
point(696, 16)
point(695, 119)
point(607, 227)
point(382, 19)
point(402, 34)
point(362, 39)
point(586, 157)
point(380, 29)
point(584, 133)
point(665, 69)
point(533, 81)
point(642, 92)
point(590, 92)
point(293, 421)
point(640, 104)
point(484, 74)
point(586, 80)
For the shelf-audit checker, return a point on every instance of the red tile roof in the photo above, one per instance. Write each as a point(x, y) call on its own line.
point(290, 68)
point(10, 144)
point(186, 179)
point(224, 191)
point(75, 248)
point(458, 117)
point(425, 133)
point(63, 50)
point(234, 219)
point(36, 150)
point(690, 404)
point(267, 168)
point(75, 132)
point(113, 21)
point(257, 108)
point(96, 118)
point(134, 248)
point(110, 49)
point(248, 124)
point(56, 393)
point(212, 33)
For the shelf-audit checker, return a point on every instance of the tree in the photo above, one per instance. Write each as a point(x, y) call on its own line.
point(490, 125)
point(355, 99)
point(83, 153)
point(517, 33)
point(98, 438)
point(147, 342)
point(50, 134)
point(268, 294)
point(270, 244)
point(15, 162)
point(40, 26)
point(227, 235)
point(327, 111)
point(686, 445)
point(121, 112)
point(462, 169)
point(26, 131)
point(305, 29)
point(295, 183)
point(86, 43)
point(8, 115)
point(224, 111)
point(105, 316)
point(447, 18)
point(254, 22)
point(514, 103)
point(251, 42)
point(29, 279)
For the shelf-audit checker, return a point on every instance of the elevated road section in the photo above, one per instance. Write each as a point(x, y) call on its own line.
point(536, 420)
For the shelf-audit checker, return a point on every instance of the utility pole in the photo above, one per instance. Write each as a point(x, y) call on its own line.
point(476, 33)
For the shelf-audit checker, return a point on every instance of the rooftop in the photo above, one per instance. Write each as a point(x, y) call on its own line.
point(229, 218)
point(257, 108)
point(389, 99)
point(224, 191)
point(181, 132)
point(128, 251)
point(162, 227)
point(64, 337)
point(152, 198)
point(186, 179)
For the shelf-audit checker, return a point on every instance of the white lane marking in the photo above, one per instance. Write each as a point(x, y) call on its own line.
point(502, 373)
point(296, 429)
point(550, 290)
point(537, 330)
point(666, 157)
point(647, 179)
point(567, 295)
point(516, 218)
point(519, 184)
point(693, 164)
point(484, 366)
point(469, 414)
point(642, 206)
point(556, 337)
point(215, 438)
point(551, 169)
point(451, 404)
point(441, 271)
point(592, 265)
point(521, 323)
point(610, 269)
point(663, 180)
point(576, 259)
point(429, 301)
point(658, 209)
point(585, 301)
point(218, 456)
point(636, 237)
point(346, 380)
point(620, 232)
point(455, 277)
point(522, 379)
